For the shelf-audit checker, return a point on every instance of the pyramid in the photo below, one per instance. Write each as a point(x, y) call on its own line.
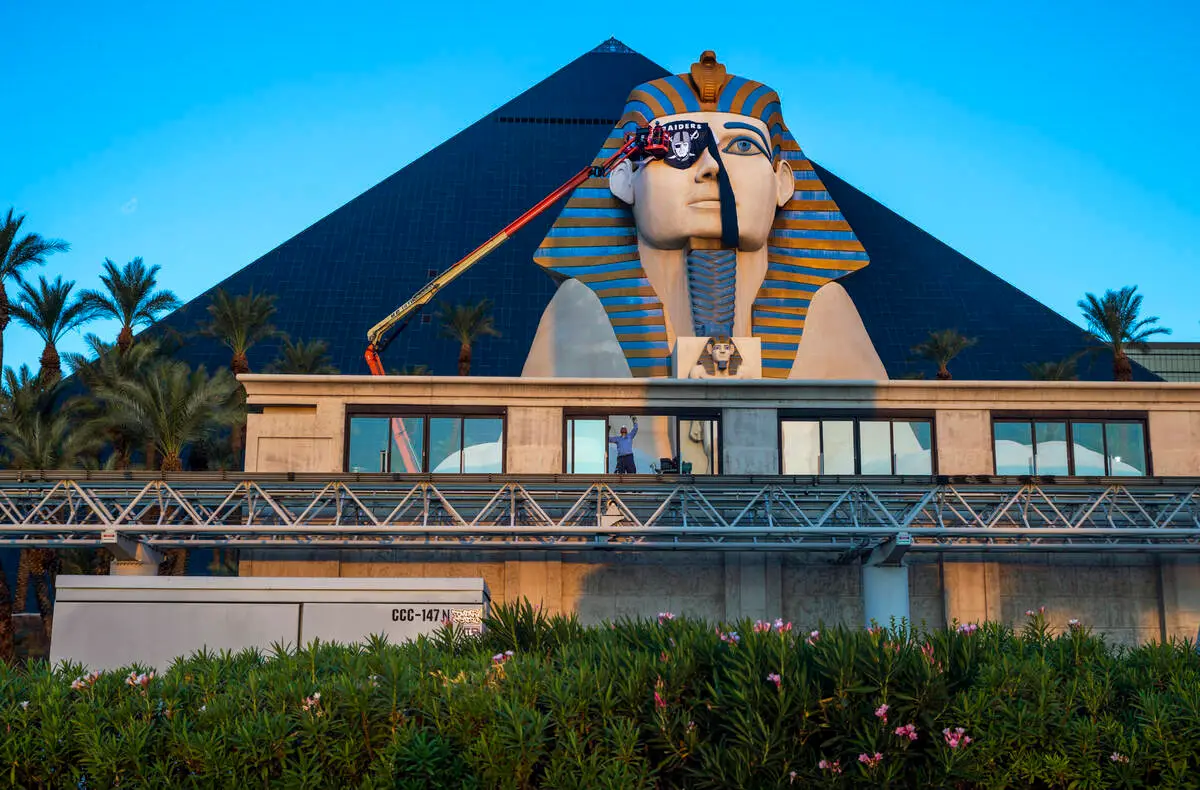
point(338, 277)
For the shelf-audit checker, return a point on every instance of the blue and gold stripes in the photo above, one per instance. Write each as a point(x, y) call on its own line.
point(594, 240)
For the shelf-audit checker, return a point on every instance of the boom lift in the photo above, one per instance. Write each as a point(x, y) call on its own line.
point(647, 141)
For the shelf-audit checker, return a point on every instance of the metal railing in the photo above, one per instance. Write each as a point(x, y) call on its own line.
point(600, 513)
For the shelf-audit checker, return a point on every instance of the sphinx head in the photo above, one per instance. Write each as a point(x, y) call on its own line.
point(676, 201)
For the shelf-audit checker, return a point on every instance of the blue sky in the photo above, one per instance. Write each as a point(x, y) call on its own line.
point(1050, 142)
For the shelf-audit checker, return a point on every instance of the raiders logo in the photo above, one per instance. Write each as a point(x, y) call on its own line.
point(686, 140)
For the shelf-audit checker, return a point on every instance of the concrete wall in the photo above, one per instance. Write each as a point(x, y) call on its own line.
point(1129, 599)
point(302, 423)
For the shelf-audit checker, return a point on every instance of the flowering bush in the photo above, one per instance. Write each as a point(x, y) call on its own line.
point(540, 701)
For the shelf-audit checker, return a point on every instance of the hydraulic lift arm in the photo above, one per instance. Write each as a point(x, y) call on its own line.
point(649, 141)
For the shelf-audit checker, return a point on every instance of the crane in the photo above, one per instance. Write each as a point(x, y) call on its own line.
point(648, 141)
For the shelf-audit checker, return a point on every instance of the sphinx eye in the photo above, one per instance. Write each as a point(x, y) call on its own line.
point(744, 146)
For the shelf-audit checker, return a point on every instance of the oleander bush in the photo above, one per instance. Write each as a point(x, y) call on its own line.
point(541, 701)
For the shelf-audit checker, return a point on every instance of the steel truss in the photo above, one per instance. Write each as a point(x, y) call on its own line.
point(848, 515)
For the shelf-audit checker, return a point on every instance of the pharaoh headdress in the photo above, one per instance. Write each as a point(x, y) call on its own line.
point(594, 239)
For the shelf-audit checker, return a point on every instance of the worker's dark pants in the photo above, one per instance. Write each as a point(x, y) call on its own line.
point(625, 465)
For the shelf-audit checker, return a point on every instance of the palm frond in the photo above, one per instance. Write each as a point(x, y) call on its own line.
point(303, 358)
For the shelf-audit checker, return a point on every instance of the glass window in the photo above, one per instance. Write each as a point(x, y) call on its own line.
point(1050, 448)
point(801, 447)
point(912, 447)
point(1126, 448)
point(445, 444)
point(483, 445)
point(837, 447)
point(1087, 447)
point(585, 447)
point(407, 446)
point(1014, 448)
point(698, 450)
point(368, 444)
point(875, 447)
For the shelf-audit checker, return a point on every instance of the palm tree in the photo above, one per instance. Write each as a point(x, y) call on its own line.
point(311, 358)
point(466, 323)
point(1061, 370)
point(175, 406)
point(239, 322)
point(103, 368)
point(130, 298)
point(15, 256)
point(50, 312)
point(1114, 321)
point(39, 432)
point(941, 347)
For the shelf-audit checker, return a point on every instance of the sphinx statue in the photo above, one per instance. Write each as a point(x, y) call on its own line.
point(730, 235)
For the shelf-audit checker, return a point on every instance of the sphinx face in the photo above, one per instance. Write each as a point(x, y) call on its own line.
point(721, 354)
point(674, 208)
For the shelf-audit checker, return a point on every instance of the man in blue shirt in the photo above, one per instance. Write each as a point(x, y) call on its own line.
point(624, 444)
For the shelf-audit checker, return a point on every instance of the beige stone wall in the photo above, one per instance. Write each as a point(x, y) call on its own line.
point(303, 421)
point(1122, 597)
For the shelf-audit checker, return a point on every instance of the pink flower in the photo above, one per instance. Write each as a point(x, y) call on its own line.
point(781, 626)
point(881, 713)
point(774, 678)
point(664, 617)
point(1030, 613)
point(833, 766)
point(875, 630)
point(869, 760)
point(691, 726)
point(663, 657)
point(500, 658)
point(135, 679)
point(956, 737)
point(1117, 757)
point(313, 703)
point(731, 638)
point(907, 731)
point(813, 637)
point(968, 628)
point(791, 777)
point(659, 701)
point(761, 626)
point(1073, 623)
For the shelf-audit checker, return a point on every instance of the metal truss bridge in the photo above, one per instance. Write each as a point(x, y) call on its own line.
point(851, 515)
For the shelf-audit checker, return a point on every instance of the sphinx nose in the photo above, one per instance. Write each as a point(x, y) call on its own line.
point(706, 167)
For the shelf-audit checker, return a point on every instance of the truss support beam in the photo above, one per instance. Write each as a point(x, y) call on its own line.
point(129, 557)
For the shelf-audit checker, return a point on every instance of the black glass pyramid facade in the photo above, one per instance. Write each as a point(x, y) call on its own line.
point(338, 277)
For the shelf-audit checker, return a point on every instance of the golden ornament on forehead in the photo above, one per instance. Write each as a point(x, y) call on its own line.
point(708, 77)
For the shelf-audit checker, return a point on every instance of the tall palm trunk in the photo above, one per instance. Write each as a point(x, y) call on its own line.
point(51, 364)
point(124, 339)
point(7, 649)
point(43, 559)
point(464, 359)
point(1122, 367)
point(5, 317)
point(943, 373)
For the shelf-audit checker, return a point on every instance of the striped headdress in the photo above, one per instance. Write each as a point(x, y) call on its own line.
point(594, 239)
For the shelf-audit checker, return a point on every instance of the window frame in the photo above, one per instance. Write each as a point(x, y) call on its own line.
point(680, 415)
point(857, 417)
point(1070, 418)
point(426, 414)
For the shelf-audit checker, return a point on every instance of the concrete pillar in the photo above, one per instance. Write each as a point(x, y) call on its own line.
point(753, 586)
point(964, 442)
point(1181, 598)
point(534, 440)
point(1175, 440)
point(140, 561)
point(885, 593)
point(971, 591)
point(538, 578)
point(750, 439)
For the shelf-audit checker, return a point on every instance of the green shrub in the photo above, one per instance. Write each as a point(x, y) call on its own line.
point(540, 701)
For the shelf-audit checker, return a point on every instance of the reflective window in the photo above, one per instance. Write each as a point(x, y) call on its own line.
point(658, 444)
point(418, 444)
point(801, 449)
point(1050, 448)
point(1014, 448)
point(850, 446)
point(1081, 448)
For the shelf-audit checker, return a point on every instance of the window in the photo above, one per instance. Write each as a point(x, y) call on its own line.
point(1070, 447)
point(426, 443)
point(664, 444)
point(856, 446)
